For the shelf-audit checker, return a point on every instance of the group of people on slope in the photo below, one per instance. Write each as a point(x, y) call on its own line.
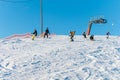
point(72, 33)
point(46, 34)
point(91, 37)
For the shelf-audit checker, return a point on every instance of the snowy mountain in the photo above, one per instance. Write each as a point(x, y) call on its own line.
point(57, 58)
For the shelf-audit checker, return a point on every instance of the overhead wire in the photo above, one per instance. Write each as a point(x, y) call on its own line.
point(14, 1)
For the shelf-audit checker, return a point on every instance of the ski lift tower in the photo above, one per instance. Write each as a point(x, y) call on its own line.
point(41, 15)
point(95, 21)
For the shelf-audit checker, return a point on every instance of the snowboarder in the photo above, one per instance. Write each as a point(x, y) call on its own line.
point(72, 33)
point(46, 32)
point(92, 37)
point(34, 34)
point(108, 33)
point(84, 34)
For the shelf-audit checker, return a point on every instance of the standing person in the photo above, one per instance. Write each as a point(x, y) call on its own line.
point(108, 33)
point(92, 37)
point(46, 32)
point(34, 34)
point(72, 33)
point(84, 34)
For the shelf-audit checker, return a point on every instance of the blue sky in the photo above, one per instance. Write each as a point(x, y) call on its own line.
point(60, 16)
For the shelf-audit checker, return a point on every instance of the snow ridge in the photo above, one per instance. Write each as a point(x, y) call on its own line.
point(57, 58)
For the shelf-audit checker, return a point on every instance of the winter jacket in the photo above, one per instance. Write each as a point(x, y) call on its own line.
point(35, 33)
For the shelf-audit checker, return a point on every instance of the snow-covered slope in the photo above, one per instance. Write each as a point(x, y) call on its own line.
point(59, 59)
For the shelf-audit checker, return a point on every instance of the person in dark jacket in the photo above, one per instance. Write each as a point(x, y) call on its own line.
point(46, 32)
point(92, 37)
point(108, 33)
point(34, 34)
point(84, 34)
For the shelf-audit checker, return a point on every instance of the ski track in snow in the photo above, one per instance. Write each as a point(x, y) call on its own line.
point(59, 59)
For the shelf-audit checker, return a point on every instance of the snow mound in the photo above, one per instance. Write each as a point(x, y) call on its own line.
point(27, 35)
point(57, 58)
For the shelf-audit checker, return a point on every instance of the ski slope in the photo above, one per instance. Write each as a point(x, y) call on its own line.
point(59, 59)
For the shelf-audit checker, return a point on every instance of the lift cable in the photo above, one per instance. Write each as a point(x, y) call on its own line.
point(14, 1)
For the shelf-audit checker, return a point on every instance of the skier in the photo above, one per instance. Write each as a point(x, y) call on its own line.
point(92, 37)
point(108, 33)
point(46, 32)
point(84, 34)
point(72, 33)
point(34, 34)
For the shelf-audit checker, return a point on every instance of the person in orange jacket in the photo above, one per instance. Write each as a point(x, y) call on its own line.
point(72, 33)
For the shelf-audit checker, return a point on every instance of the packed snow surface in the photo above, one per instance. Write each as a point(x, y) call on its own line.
point(57, 58)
